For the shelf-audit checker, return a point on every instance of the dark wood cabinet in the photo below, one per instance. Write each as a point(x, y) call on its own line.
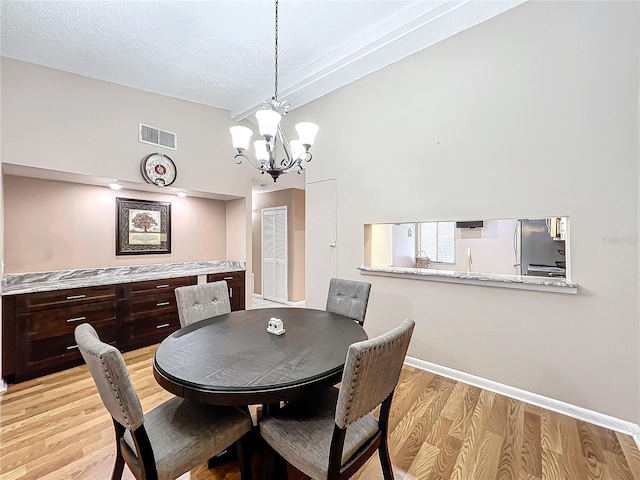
point(235, 283)
point(150, 310)
point(37, 328)
point(41, 341)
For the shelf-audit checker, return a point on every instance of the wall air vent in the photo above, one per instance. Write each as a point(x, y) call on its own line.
point(155, 136)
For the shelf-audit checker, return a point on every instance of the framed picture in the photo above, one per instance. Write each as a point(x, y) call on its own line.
point(142, 227)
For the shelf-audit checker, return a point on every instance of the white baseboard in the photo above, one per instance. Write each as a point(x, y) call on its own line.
point(3, 385)
point(291, 304)
point(296, 304)
point(557, 406)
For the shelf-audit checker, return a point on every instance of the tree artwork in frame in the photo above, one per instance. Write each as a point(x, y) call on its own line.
point(143, 227)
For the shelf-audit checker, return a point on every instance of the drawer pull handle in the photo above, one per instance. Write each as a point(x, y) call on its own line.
point(77, 319)
point(75, 297)
point(72, 347)
point(231, 292)
point(162, 286)
point(228, 278)
point(164, 325)
point(162, 304)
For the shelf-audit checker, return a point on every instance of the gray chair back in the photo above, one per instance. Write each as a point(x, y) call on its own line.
point(111, 376)
point(197, 302)
point(348, 298)
point(371, 373)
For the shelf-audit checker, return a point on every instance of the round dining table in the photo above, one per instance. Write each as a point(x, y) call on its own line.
point(231, 359)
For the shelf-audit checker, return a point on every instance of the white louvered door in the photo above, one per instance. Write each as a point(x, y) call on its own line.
point(274, 254)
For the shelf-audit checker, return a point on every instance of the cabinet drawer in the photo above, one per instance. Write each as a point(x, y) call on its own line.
point(149, 306)
point(235, 283)
point(157, 286)
point(52, 354)
point(146, 331)
point(233, 279)
point(62, 321)
point(63, 298)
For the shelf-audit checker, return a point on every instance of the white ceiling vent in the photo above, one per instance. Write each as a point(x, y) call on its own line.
point(155, 136)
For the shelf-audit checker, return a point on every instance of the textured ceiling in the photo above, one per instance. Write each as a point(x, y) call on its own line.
point(220, 52)
point(213, 52)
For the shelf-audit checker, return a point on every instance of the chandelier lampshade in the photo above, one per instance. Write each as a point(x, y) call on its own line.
point(307, 132)
point(268, 123)
point(241, 137)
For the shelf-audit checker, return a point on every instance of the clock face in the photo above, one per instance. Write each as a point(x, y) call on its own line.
point(159, 169)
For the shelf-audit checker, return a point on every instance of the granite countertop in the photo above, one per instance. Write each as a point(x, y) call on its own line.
point(490, 279)
point(16, 283)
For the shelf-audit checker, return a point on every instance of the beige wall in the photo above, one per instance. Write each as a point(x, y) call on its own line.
point(69, 123)
point(294, 200)
point(237, 223)
point(533, 113)
point(61, 121)
point(52, 225)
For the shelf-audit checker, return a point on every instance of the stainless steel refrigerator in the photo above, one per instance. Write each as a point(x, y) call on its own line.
point(540, 254)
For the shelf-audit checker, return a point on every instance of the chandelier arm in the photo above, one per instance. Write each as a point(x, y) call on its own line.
point(289, 160)
point(271, 163)
point(295, 166)
point(238, 160)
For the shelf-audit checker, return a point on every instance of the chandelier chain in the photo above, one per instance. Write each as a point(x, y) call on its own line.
point(276, 55)
point(265, 159)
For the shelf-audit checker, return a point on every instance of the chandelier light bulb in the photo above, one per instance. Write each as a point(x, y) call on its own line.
point(307, 132)
point(241, 137)
point(268, 121)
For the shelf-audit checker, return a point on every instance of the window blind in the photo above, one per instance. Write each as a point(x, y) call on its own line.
point(437, 241)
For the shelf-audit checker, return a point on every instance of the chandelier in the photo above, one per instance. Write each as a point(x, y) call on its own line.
point(266, 149)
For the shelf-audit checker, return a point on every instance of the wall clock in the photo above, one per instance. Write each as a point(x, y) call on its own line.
point(158, 169)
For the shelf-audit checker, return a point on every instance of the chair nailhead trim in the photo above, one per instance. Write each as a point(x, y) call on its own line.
point(113, 386)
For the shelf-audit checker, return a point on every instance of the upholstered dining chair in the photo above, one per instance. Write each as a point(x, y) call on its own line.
point(197, 302)
point(170, 439)
point(331, 435)
point(348, 298)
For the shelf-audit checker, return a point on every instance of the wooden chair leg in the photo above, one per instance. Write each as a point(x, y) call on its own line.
point(280, 468)
point(118, 467)
point(244, 459)
point(268, 457)
point(385, 459)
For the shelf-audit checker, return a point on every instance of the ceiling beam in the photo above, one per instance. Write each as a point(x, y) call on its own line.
point(413, 29)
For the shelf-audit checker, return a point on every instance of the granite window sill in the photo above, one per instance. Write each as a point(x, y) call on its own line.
point(522, 282)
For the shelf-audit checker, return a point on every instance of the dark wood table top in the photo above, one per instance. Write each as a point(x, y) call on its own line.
point(232, 359)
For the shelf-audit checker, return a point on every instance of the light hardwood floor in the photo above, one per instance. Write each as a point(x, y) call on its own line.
point(56, 428)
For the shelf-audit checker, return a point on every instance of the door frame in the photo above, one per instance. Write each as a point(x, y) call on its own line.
point(286, 249)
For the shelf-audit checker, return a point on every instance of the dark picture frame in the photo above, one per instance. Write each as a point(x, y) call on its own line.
point(142, 227)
